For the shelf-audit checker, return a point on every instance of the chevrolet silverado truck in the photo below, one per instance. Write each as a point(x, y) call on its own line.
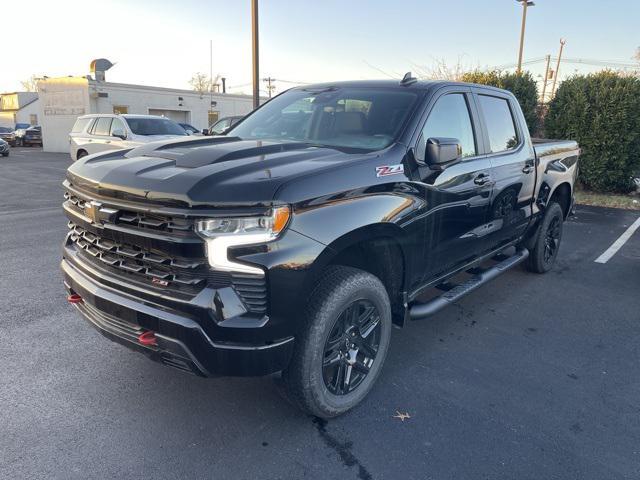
point(295, 242)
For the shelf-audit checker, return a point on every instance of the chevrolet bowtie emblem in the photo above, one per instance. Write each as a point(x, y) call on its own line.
point(92, 211)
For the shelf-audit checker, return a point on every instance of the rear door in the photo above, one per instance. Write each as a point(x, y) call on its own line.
point(99, 138)
point(458, 197)
point(508, 146)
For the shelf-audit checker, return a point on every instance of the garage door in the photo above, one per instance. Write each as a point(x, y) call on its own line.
point(179, 116)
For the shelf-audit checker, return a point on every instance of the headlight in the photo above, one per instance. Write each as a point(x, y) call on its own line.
point(222, 233)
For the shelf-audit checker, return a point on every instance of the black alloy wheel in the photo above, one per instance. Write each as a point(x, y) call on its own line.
point(552, 240)
point(351, 347)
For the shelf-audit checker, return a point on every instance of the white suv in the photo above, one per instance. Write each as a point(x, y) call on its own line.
point(101, 132)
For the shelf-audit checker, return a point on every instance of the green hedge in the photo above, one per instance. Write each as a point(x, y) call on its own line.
point(522, 85)
point(602, 112)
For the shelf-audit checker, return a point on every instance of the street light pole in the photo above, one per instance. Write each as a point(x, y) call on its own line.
point(255, 54)
point(525, 5)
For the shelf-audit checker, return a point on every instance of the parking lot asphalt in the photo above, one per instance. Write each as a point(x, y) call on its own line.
point(530, 377)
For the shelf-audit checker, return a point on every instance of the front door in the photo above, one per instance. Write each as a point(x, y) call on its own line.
point(458, 198)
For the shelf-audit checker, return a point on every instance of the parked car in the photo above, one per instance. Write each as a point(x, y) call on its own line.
point(19, 132)
point(223, 125)
point(4, 148)
point(99, 132)
point(8, 135)
point(295, 244)
point(190, 129)
point(29, 136)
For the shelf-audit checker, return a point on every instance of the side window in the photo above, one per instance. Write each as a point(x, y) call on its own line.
point(499, 121)
point(450, 118)
point(80, 124)
point(102, 126)
point(117, 124)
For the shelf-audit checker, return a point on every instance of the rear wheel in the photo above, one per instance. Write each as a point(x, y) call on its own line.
point(547, 243)
point(340, 352)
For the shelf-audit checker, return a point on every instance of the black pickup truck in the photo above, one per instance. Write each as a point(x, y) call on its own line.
point(294, 243)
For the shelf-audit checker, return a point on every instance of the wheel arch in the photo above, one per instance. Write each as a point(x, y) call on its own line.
point(379, 249)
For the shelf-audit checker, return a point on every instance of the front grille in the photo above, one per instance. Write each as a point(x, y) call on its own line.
point(140, 220)
point(156, 268)
point(151, 265)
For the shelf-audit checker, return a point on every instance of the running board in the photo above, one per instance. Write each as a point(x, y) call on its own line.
point(455, 292)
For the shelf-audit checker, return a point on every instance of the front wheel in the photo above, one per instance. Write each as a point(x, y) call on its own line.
point(340, 352)
point(547, 243)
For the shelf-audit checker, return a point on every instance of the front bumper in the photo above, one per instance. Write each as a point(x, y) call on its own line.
point(181, 341)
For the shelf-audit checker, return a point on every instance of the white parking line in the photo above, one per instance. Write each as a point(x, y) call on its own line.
point(615, 246)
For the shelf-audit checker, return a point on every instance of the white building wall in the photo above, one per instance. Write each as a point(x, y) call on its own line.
point(62, 101)
point(24, 114)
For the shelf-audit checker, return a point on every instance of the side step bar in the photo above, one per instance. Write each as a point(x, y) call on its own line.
point(421, 310)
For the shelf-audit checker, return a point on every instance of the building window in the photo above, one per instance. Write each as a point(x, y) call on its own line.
point(120, 109)
point(33, 119)
point(213, 116)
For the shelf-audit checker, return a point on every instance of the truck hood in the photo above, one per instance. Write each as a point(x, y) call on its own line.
point(205, 171)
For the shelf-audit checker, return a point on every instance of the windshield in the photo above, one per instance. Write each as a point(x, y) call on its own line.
point(361, 118)
point(22, 125)
point(155, 126)
point(6, 130)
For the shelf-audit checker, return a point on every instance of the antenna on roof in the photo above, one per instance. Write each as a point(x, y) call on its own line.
point(408, 79)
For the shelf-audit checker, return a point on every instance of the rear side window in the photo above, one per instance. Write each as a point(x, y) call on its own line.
point(499, 122)
point(102, 126)
point(80, 125)
point(450, 118)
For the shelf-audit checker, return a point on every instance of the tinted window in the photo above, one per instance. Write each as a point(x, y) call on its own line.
point(102, 126)
point(117, 125)
point(450, 118)
point(351, 117)
point(80, 124)
point(6, 130)
point(499, 122)
point(154, 126)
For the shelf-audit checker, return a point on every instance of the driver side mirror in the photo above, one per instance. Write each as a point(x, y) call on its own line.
point(119, 133)
point(440, 152)
point(205, 131)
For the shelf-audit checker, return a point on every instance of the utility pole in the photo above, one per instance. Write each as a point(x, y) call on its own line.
point(555, 76)
point(525, 5)
point(546, 77)
point(255, 54)
point(270, 86)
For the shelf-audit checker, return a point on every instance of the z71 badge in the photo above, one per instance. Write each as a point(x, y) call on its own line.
point(385, 170)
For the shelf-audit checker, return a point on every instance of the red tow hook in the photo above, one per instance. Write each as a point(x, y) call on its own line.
point(74, 298)
point(148, 338)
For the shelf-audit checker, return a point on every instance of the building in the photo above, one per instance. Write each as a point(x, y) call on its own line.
point(63, 99)
point(19, 107)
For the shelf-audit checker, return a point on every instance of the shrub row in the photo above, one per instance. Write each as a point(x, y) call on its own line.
point(602, 112)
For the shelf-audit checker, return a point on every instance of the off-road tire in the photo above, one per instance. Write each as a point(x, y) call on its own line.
point(303, 379)
point(538, 261)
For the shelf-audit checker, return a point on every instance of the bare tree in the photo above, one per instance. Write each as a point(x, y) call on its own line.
point(202, 83)
point(30, 84)
point(440, 70)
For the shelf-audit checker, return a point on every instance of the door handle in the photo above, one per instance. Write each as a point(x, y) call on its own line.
point(482, 179)
point(107, 141)
point(527, 169)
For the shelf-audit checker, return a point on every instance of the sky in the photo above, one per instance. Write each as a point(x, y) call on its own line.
point(163, 43)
